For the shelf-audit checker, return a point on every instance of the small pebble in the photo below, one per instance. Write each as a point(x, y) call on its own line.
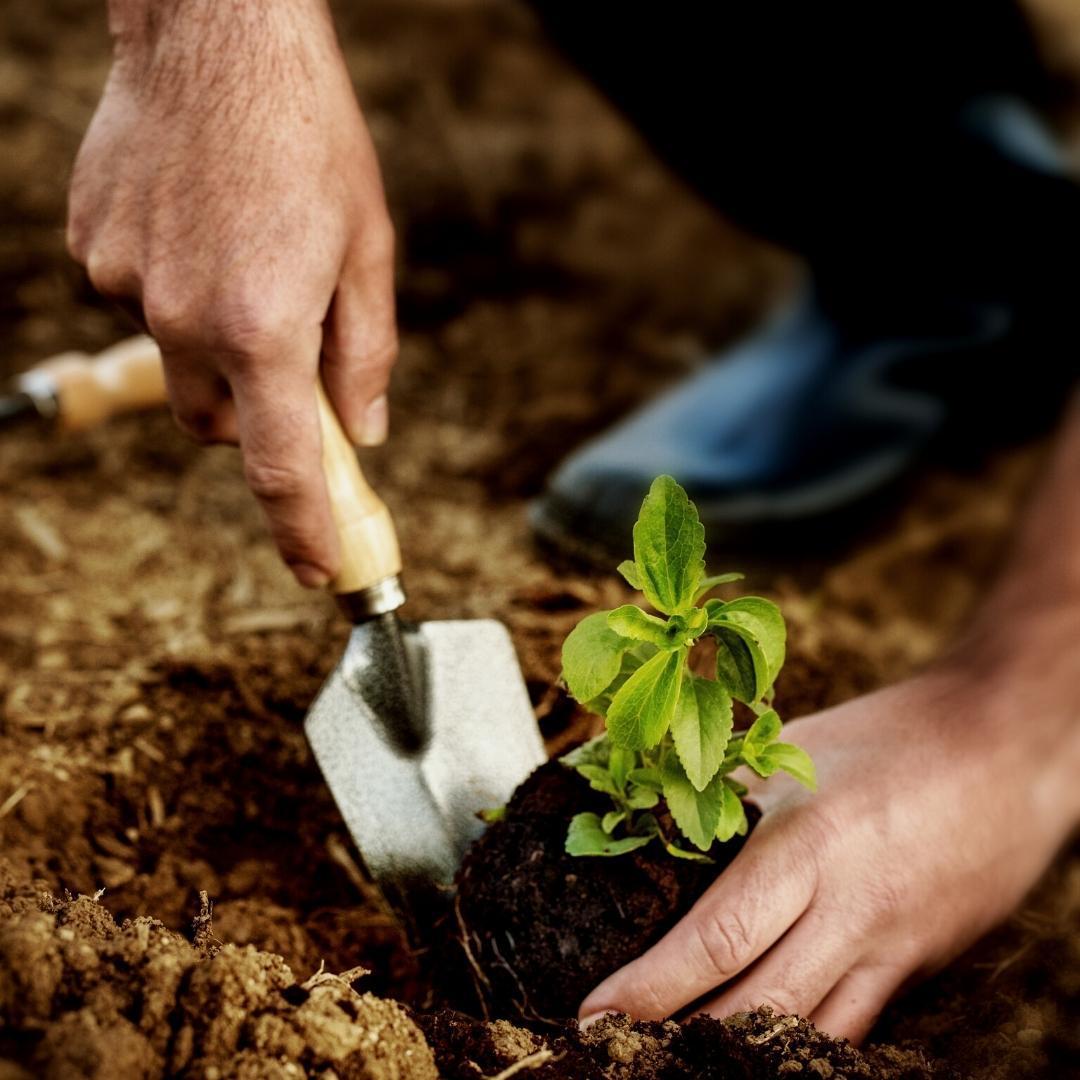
point(820, 1067)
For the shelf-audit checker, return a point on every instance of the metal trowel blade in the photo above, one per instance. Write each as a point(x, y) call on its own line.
point(411, 805)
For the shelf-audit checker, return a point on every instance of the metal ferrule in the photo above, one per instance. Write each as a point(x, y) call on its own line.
point(378, 599)
point(40, 388)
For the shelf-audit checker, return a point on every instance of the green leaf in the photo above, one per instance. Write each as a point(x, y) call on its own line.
point(741, 666)
point(620, 762)
point(708, 584)
point(599, 779)
point(586, 836)
point(682, 853)
point(611, 819)
point(763, 731)
point(669, 547)
point(597, 751)
point(701, 728)
point(630, 621)
point(491, 814)
point(592, 656)
point(732, 814)
point(641, 711)
point(641, 798)
point(791, 759)
point(697, 813)
point(648, 777)
point(758, 624)
point(629, 571)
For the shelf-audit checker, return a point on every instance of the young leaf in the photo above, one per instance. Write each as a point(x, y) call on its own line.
point(669, 547)
point(597, 751)
point(708, 584)
point(641, 711)
point(793, 760)
point(491, 814)
point(586, 836)
point(697, 813)
point(760, 626)
point(620, 762)
point(592, 656)
point(732, 815)
point(641, 798)
point(599, 779)
point(611, 819)
point(682, 853)
point(630, 621)
point(701, 728)
point(648, 777)
point(763, 731)
point(740, 664)
point(629, 571)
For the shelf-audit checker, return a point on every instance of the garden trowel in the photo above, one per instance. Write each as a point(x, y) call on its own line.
point(422, 725)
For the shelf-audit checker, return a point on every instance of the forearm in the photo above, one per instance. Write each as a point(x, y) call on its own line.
point(207, 45)
point(1025, 640)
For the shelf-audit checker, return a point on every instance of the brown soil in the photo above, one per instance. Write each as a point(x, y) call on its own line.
point(536, 929)
point(746, 1046)
point(155, 659)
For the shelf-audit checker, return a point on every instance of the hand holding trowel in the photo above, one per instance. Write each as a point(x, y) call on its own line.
point(421, 725)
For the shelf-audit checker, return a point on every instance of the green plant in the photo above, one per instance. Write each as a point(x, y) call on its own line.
point(670, 732)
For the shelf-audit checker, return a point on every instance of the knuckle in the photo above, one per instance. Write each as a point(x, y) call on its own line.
point(107, 275)
point(725, 943)
point(272, 482)
point(239, 323)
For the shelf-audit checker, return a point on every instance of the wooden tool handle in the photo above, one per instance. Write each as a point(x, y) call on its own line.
point(91, 389)
point(369, 546)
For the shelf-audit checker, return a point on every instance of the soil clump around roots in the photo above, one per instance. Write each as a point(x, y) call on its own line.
point(538, 928)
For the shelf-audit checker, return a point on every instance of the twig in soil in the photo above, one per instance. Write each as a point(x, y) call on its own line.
point(202, 926)
point(14, 799)
point(533, 1061)
point(785, 1024)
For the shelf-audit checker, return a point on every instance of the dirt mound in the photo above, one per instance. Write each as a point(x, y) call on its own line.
point(81, 996)
point(747, 1046)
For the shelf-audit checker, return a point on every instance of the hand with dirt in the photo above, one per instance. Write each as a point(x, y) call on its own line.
point(941, 801)
point(228, 187)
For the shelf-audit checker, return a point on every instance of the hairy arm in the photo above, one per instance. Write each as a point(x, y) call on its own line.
point(228, 187)
point(941, 802)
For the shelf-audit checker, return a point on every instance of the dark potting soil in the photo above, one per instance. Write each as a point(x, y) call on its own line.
point(536, 929)
point(747, 1046)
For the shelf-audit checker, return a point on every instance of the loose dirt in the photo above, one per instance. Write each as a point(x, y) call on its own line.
point(155, 660)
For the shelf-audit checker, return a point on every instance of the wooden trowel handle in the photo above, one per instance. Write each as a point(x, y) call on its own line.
point(88, 390)
point(369, 546)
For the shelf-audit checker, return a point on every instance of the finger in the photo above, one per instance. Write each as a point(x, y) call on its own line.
point(795, 975)
point(200, 399)
point(360, 342)
point(282, 448)
point(855, 1003)
point(762, 893)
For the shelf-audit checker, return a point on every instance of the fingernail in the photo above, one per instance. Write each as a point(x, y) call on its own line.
point(591, 1019)
point(375, 423)
point(311, 577)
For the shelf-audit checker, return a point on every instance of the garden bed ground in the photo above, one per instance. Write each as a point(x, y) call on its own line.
point(156, 661)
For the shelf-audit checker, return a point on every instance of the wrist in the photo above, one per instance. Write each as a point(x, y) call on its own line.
point(1018, 666)
point(140, 28)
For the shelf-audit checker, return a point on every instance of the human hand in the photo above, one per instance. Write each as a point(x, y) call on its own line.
point(940, 802)
point(228, 187)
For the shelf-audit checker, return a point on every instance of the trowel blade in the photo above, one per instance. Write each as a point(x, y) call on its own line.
point(412, 812)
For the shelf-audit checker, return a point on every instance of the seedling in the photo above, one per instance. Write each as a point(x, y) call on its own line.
point(669, 731)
